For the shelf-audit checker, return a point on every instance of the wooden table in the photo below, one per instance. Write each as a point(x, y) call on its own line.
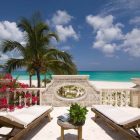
point(66, 126)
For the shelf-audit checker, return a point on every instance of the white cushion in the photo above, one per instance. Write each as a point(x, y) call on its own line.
point(38, 110)
point(119, 115)
point(22, 118)
point(25, 116)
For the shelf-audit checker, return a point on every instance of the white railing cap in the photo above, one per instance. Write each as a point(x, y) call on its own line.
point(70, 77)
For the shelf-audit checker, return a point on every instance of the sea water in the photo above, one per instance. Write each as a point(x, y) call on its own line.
point(122, 76)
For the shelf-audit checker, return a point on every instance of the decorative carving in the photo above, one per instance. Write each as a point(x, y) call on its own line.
point(116, 97)
point(58, 81)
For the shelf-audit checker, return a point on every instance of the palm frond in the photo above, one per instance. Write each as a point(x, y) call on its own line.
point(9, 45)
point(13, 64)
point(52, 35)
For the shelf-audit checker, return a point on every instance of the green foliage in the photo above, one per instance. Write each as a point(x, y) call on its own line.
point(77, 114)
point(37, 54)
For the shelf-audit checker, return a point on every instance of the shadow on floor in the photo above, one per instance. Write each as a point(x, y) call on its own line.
point(69, 136)
point(35, 130)
point(116, 135)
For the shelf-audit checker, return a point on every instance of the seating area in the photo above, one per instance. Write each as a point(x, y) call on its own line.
point(124, 119)
point(23, 120)
point(98, 130)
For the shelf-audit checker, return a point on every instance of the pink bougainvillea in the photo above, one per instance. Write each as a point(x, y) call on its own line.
point(8, 76)
point(8, 88)
point(34, 99)
point(8, 85)
point(3, 102)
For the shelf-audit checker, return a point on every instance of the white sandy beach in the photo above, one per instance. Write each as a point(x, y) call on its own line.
point(98, 84)
point(112, 85)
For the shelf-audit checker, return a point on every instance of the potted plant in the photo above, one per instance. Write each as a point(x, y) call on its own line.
point(77, 114)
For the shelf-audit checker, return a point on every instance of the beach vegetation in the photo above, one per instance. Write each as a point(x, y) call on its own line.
point(37, 54)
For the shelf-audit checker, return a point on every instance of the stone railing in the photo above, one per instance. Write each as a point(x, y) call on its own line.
point(70, 77)
point(31, 95)
point(116, 97)
point(24, 97)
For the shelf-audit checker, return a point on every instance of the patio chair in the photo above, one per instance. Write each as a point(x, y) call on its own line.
point(123, 119)
point(23, 120)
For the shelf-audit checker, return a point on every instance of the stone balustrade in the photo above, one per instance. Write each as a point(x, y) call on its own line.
point(47, 96)
point(23, 97)
point(115, 97)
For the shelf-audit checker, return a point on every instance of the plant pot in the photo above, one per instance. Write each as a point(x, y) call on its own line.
point(78, 123)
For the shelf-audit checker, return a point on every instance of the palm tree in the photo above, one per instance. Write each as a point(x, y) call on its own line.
point(37, 51)
point(31, 72)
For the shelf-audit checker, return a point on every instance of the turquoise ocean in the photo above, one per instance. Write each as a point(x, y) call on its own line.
point(122, 76)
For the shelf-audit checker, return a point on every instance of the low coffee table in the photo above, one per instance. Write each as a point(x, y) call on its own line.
point(66, 126)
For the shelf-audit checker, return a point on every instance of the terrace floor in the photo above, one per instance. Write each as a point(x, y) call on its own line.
point(91, 130)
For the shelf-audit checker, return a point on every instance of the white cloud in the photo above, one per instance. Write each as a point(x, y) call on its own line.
point(98, 22)
point(121, 7)
point(135, 20)
point(109, 48)
point(61, 22)
point(9, 30)
point(61, 18)
point(131, 43)
point(66, 32)
point(107, 33)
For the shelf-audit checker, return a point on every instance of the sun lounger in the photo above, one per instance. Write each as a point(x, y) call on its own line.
point(123, 119)
point(23, 120)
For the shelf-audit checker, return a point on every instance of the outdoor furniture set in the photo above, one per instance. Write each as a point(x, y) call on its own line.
point(123, 119)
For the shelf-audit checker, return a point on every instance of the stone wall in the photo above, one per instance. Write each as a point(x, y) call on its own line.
point(49, 98)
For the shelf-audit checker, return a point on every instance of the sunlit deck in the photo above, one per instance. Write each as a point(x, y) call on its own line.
point(91, 130)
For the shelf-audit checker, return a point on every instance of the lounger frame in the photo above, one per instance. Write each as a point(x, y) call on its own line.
point(5, 122)
point(124, 129)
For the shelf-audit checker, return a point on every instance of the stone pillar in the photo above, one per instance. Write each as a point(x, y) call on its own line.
point(135, 97)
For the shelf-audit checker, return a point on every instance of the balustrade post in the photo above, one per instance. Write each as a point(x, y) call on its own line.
point(19, 100)
point(101, 96)
point(121, 98)
point(135, 98)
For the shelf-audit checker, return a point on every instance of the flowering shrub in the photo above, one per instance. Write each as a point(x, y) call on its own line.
point(7, 83)
point(9, 96)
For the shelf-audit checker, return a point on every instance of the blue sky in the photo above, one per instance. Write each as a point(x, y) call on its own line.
point(100, 34)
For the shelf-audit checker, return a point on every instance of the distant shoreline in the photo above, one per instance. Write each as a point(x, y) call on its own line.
point(97, 84)
point(118, 76)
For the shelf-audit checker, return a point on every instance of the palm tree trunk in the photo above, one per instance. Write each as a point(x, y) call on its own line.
point(38, 77)
point(30, 79)
point(45, 80)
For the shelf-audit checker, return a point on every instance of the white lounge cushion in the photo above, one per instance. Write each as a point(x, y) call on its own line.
point(22, 118)
point(38, 110)
point(119, 115)
point(25, 116)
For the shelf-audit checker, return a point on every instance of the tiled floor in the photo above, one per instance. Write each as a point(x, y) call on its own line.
point(91, 130)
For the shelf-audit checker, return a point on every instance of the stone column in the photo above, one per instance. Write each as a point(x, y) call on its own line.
point(135, 97)
point(135, 93)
